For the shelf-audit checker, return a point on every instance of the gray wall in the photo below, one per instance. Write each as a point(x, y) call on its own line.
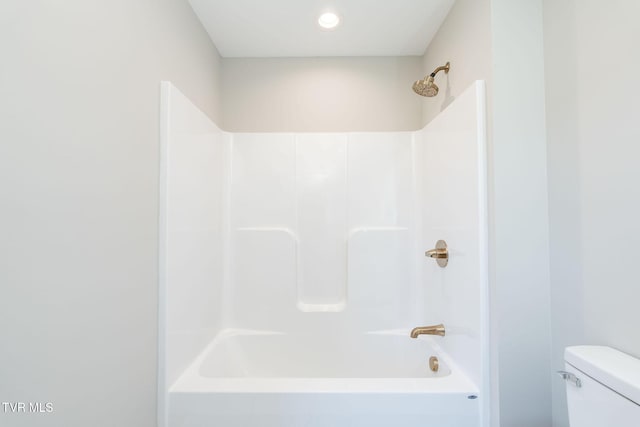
point(79, 107)
point(592, 64)
point(321, 94)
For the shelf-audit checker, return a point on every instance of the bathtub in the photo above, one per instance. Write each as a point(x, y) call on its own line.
point(270, 379)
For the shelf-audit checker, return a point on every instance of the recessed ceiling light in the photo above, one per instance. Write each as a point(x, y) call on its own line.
point(328, 20)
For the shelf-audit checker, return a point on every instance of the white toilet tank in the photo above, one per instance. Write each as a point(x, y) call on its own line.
point(603, 387)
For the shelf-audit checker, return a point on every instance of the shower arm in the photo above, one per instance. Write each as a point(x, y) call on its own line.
point(444, 68)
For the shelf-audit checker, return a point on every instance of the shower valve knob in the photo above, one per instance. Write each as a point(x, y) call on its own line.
point(440, 253)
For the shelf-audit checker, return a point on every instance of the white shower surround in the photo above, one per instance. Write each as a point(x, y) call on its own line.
point(269, 240)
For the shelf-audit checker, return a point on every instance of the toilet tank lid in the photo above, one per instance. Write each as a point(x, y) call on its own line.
point(615, 369)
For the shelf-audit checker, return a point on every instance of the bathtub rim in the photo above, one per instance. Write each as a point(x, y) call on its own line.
point(191, 381)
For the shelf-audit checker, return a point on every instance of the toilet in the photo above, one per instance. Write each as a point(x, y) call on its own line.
point(603, 387)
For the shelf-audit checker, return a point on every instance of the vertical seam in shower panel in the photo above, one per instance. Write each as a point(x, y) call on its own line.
point(347, 224)
point(417, 228)
point(298, 268)
point(227, 278)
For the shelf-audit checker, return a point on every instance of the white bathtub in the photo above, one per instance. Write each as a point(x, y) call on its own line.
point(249, 378)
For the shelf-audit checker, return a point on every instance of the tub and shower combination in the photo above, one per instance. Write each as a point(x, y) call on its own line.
point(293, 268)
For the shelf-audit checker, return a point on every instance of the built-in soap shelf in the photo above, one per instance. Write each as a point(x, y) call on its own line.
point(372, 263)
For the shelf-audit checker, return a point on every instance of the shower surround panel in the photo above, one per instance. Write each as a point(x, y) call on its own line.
point(293, 268)
point(322, 223)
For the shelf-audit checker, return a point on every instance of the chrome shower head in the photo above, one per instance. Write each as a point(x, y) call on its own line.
point(427, 87)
